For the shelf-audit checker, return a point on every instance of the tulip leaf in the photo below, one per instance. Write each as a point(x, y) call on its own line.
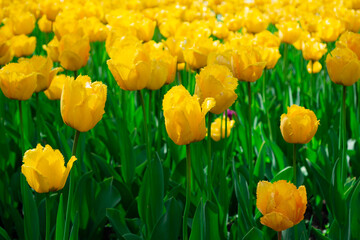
point(285, 174)
point(130, 236)
point(254, 233)
point(198, 223)
point(168, 227)
point(117, 220)
point(4, 234)
point(60, 219)
point(74, 234)
point(355, 212)
point(337, 192)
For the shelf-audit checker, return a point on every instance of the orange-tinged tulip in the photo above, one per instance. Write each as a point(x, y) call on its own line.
point(343, 66)
point(184, 118)
point(196, 54)
point(350, 40)
point(45, 25)
point(163, 66)
point(289, 32)
point(216, 81)
point(22, 23)
point(52, 49)
point(82, 103)
point(56, 87)
point(281, 203)
point(313, 49)
point(298, 125)
point(18, 81)
point(44, 169)
point(22, 45)
point(313, 67)
point(131, 67)
point(217, 127)
point(42, 66)
point(74, 51)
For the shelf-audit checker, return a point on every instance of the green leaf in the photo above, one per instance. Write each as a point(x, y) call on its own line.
point(60, 219)
point(253, 234)
point(198, 224)
point(285, 174)
point(168, 227)
point(117, 220)
point(355, 212)
point(74, 235)
point(337, 191)
point(4, 234)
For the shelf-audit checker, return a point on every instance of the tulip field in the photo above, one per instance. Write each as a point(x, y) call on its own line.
point(179, 119)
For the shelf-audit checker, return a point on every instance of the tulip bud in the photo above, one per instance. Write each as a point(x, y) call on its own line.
point(299, 125)
point(82, 103)
point(218, 129)
point(44, 169)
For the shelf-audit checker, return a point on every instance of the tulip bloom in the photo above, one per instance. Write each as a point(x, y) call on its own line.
point(343, 66)
point(131, 67)
point(22, 22)
point(42, 67)
point(350, 40)
point(184, 118)
point(52, 49)
point(255, 21)
point(299, 125)
point(56, 87)
point(82, 103)
point(289, 32)
point(216, 81)
point(281, 203)
point(5, 51)
point(330, 29)
point(45, 25)
point(22, 45)
point(218, 130)
point(44, 169)
point(18, 81)
point(74, 51)
point(50, 8)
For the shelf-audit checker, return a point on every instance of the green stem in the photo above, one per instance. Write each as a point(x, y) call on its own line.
point(358, 100)
point(71, 188)
point(75, 74)
point(225, 141)
point(178, 76)
point(343, 162)
point(38, 135)
point(209, 156)
point(285, 66)
point(250, 160)
point(21, 129)
point(147, 141)
point(265, 105)
point(279, 235)
point(294, 164)
point(47, 203)
point(188, 191)
point(311, 87)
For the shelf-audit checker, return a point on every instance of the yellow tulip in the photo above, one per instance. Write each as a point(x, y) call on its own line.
point(45, 25)
point(67, 24)
point(289, 32)
point(94, 29)
point(220, 30)
point(299, 125)
point(351, 18)
point(22, 45)
point(330, 29)
point(266, 39)
point(42, 66)
point(82, 103)
point(163, 66)
point(196, 54)
point(313, 67)
point(52, 49)
point(6, 54)
point(343, 66)
point(255, 21)
point(270, 55)
point(44, 169)
point(281, 203)
point(22, 22)
point(216, 129)
point(233, 22)
point(74, 51)
point(175, 47)
point(56, 87)
point(350, 40)
point(18, 81)
point(50, 8)
point(169, 27)
point(145, 28)
point(312, 49)
point(131, 67)
point(216, 81)
point(184, 118)
point(118, 39)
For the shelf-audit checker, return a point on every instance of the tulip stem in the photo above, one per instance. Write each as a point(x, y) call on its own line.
point(250, 162)
point(22, 129)
point(75, 74)
point(311, 86)
point(38, 135)
point(188, 191)
point(209, 156)
point(148, 150)
point(343, 162)
point(47, 203)
point(285, 66)
point(294, 163)
point(265, 106)
point(225, 141)
point(279, 235)
point(71, 186)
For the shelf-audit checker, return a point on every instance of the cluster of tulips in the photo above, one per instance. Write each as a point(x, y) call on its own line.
point(225, 43)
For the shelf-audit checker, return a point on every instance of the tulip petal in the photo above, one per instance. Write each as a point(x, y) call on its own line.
point(36, 181)
point(276, 221)
point(263, 194)
point(66, 172)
